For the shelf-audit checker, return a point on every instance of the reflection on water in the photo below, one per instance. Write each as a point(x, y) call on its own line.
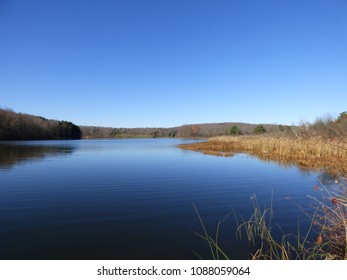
point(133, 198)
point(11, 155)
point(288, 163)
point(324, 167)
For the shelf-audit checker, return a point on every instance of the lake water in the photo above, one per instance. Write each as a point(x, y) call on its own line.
point(133, 199)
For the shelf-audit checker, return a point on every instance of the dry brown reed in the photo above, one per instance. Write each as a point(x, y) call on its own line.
point(311, 153)
point(328, 220)
point(332, 219)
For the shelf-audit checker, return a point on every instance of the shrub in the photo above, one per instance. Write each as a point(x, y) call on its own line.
point(234, 130)
point(259, 129)
point(342, 117)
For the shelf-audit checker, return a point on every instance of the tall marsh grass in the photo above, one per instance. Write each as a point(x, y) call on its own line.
point(327, 224)
point(315, 153)
point(324, 238)
point(332, 218)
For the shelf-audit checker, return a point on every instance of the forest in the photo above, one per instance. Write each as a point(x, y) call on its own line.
point(18, 126)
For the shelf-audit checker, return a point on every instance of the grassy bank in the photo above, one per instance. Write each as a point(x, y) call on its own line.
point(311, 153)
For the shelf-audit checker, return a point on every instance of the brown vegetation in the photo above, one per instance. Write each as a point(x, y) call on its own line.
point(321, 146)
point(329, 222)
point(331, 219)
point(316, 153)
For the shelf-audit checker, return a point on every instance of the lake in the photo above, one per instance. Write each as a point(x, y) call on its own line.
point(133, 199)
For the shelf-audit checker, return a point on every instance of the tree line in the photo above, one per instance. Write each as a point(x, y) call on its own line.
point(327, 126)
point(185, 131)
point(18, 126)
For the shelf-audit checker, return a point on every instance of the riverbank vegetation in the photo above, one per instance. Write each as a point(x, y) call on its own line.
point(17, 126)
point(318, 146)
point(321, 146)
point(313, 153)
point(325, 237)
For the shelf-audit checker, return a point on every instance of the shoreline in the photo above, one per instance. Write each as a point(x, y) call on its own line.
point(310, 154)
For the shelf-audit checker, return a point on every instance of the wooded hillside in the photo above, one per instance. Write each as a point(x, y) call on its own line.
point(191, 130)
point(17, 126)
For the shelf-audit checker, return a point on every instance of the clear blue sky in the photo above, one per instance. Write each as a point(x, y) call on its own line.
point(130, 63)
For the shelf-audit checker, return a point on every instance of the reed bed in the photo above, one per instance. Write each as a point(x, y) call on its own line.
point(312, 153)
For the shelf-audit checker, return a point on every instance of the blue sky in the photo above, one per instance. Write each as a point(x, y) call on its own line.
point(142, 63)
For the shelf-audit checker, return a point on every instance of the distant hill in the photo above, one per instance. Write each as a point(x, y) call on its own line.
point(191, 130)
point(18, 126)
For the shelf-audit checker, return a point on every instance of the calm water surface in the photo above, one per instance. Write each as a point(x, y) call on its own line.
point(133, 198)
